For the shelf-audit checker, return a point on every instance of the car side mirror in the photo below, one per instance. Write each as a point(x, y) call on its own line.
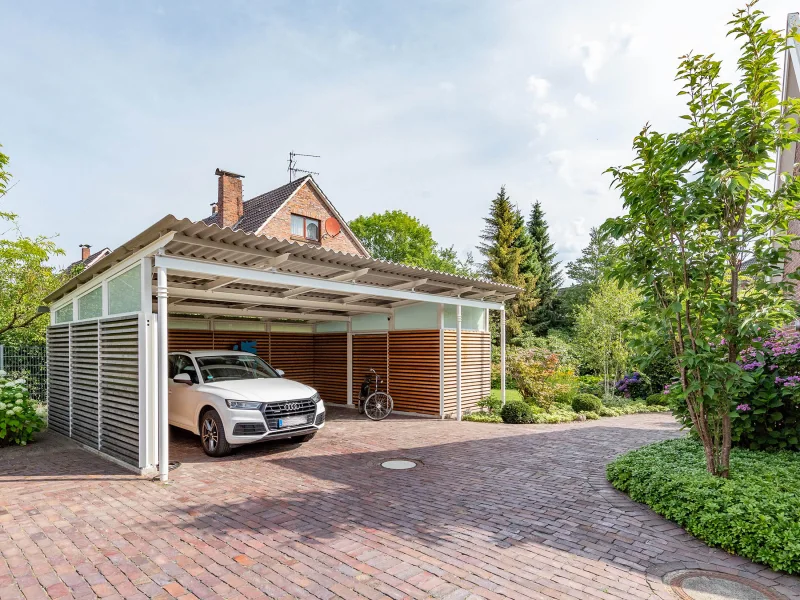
point(280, 372)
point(183, 378)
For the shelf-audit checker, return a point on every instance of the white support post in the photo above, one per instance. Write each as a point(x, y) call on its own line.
point(440, 316)
point(162, 375)
point(503, 356)
point(458, 362)
point(350, 362)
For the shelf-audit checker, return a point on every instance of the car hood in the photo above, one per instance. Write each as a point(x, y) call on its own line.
point(259, 390)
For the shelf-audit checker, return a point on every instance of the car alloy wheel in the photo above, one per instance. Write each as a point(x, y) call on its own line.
point(210, 434)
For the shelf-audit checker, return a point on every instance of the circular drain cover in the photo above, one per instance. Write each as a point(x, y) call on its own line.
point(708, 585)
point(398, 464)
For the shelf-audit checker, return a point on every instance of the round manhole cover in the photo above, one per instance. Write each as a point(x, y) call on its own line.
point(709, 585)
point(399, 464)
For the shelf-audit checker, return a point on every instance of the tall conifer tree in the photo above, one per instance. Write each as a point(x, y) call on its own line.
point(547, 313)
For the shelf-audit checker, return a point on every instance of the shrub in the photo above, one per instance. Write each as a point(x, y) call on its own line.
point(591, 384)
point(531, 368)
point(517, 412)
point(482, 417)
point(590, 415)
point(657, 400)
point(491, 404)
point(586, 402)
point(19, 419)
point(754, 513)
point(634, 385)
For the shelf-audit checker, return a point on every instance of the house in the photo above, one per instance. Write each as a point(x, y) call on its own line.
point(88, 258)
point(298, 211)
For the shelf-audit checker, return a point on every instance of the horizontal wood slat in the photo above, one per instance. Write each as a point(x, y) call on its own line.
point(414, 369)
point(330, 366)
point(58, 370)
point(476, 376)
point(370, 352)
point(83, 368)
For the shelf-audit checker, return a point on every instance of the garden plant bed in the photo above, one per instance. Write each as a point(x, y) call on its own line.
point(755, 513)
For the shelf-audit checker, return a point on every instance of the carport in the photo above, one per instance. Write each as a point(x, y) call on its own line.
point(322, 316)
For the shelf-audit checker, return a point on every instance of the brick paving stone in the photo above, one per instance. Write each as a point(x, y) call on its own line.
point(492, 512)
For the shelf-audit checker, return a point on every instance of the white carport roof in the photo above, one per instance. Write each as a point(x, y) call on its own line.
point(218, 271)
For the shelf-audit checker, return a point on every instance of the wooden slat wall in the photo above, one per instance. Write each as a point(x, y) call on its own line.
point(370, 352)
point(83, 367)
point(294, 353)
point(330, 366)
point(476, 379)
point(414, 368)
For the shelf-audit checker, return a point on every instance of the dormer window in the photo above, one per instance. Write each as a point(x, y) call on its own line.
point(305, 227)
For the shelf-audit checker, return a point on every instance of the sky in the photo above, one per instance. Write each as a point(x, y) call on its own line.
point(116, 113)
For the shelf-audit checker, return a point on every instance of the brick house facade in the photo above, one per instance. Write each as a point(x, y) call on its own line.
point(298, 211)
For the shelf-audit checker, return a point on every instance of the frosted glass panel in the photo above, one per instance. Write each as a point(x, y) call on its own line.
point(125, 292)
point(472, 319)
point(239, 326)
point(90, 306)
point(417, 316)
point(64, 314)
point(187, 324)
point(331, 327)
point(370, 323)
point(292, 328)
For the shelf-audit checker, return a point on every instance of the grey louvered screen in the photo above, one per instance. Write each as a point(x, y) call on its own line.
point(83, 366)
point(93, 384)
point(119, 388)
point(58, 411)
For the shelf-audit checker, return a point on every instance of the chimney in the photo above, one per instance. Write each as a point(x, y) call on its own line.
point(229, 198)
point(86, 251)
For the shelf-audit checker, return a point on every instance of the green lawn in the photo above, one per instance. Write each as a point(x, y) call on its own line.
point(510, 395)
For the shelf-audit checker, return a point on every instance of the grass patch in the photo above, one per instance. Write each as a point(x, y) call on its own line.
point(511, 395)
point(755, 513)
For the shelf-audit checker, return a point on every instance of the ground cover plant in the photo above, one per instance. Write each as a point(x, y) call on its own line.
point(754, 513)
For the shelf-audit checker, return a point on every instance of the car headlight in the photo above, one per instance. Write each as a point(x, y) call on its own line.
point(316, 398)
point(243, 404)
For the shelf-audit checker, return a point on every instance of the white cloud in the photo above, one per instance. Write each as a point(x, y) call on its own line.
point(447, 86)
point(538, 86)
point(595, 54)
point(552, 110)
point(585, 102)
point(541, 128)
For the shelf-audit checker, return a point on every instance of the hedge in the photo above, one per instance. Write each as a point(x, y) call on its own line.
point(755, 513)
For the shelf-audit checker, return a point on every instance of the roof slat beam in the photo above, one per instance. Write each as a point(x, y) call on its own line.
point(204, 309)
point(185, 265)
point(348, 276)
point(408, 285)
point(192, 292)
point(218, 283)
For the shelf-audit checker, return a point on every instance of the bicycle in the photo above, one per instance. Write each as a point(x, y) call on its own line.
point(376, 405)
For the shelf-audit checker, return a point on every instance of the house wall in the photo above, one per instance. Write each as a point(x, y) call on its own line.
point(308, 203)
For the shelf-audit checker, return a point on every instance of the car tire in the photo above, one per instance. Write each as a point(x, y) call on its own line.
point(302, 439)
point(212, 434)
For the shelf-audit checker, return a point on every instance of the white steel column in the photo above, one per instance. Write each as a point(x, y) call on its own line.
point(441, 360)
point(458, 362)
point(503, 355)
point(350, 362)
point(161, 375)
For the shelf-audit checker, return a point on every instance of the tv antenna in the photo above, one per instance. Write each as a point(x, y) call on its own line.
point(293, 170)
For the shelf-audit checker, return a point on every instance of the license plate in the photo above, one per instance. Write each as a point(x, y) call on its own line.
point(292, 421)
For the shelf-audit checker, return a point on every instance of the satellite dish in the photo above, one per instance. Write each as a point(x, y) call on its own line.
point(332, 227)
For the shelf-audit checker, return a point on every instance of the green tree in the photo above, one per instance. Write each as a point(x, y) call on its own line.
point(5, 176)
point(588, 269)
point(605, 328)
point(397, 236)
point(698, 203)
point(506, 254)
point(26, 277)
point(547, 314)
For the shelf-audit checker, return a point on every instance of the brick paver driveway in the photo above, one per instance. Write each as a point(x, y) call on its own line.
point(494, 511)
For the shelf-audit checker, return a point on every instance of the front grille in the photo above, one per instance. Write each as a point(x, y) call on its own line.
point(320, 419)
point(275, 412)
point(249, 429)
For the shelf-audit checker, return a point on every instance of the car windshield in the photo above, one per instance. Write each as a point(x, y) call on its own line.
point(227, 367)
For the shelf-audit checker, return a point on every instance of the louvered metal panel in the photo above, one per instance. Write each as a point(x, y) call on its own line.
point(83, 370)
point(119, 388)
point(58, 397)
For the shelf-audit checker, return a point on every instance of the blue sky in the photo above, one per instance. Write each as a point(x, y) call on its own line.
point(117, 113)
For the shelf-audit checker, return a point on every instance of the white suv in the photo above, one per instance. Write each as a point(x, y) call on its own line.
point(231, 398)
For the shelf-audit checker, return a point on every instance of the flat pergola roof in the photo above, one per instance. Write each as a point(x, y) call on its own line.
point(218, 271)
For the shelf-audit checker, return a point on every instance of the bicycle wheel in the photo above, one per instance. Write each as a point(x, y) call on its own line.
point(378, 406)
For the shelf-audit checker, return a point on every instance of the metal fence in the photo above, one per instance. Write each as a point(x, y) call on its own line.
point(28, 362)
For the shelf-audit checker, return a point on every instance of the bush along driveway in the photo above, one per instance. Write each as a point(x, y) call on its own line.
point(500, 511)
